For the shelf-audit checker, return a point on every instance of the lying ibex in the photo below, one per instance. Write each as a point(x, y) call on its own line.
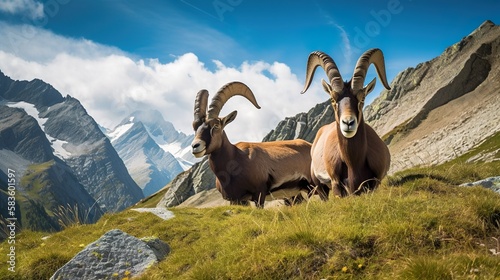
point(248, 171)
point(347, 155)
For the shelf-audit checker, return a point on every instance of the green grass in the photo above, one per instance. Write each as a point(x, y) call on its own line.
point(421, 228)
point(417, 225)
point(152, 200)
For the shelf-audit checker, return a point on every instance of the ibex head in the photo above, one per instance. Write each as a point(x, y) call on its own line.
point(208, 126)
point(347, 97)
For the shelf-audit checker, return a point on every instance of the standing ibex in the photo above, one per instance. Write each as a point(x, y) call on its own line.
point(347, 155)
point(247, 171)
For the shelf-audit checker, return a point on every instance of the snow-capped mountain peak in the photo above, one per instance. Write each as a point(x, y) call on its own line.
point(161, 131)
point(152, 149)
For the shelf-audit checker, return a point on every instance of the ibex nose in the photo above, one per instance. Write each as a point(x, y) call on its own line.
point(198, 148)
point(348, 126)
point(349, 121)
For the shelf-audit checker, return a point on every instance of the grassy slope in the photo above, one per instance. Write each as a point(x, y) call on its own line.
point(417, 225)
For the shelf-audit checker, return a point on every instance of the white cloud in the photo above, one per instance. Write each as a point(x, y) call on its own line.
point(37, 44)
point(111, 84)
point(348, 52)
point(29, 8)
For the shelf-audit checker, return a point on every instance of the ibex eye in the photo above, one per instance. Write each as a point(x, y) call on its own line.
point(215, 127)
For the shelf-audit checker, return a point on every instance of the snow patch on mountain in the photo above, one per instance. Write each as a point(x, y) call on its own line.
point(178, 149)
point(119, 131)
point(30, 109)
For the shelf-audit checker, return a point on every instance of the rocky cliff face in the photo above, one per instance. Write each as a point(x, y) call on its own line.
point(195, 180)
point(303, 125)
point(91, 156)
point(20, 133)
point(438, 110)
point(44, 183)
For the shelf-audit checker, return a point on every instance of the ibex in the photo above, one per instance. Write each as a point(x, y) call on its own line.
point(247, 171)
point(348, 156)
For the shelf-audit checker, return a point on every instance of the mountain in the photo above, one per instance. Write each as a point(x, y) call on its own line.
point(444, 107)
point(42, 182)
point(434, 112)
point(59, 154)
point(152, 149)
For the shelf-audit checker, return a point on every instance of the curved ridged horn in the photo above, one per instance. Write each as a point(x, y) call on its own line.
point(318, 58)
point(227, 91)
point(200, 108)
point(374, 56)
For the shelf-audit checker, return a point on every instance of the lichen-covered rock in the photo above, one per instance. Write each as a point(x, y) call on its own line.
point(115, 255)
point(160, 248)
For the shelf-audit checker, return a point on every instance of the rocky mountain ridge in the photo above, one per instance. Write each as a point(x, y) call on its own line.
point(437, 110)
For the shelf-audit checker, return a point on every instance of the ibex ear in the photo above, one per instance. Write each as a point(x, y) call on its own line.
point(326, 86)
point(370, 86)
point(229, 118)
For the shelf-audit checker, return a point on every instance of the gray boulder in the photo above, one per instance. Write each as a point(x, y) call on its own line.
point(115, 254)
point(492, 183)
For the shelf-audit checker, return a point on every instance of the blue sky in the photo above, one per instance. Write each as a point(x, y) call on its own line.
point(233, 31)
point(259, 42)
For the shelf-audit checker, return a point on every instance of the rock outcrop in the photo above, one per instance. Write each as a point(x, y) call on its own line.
point(116, 255)
point(303, 125)
point(492, 183)
point(197, 179)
